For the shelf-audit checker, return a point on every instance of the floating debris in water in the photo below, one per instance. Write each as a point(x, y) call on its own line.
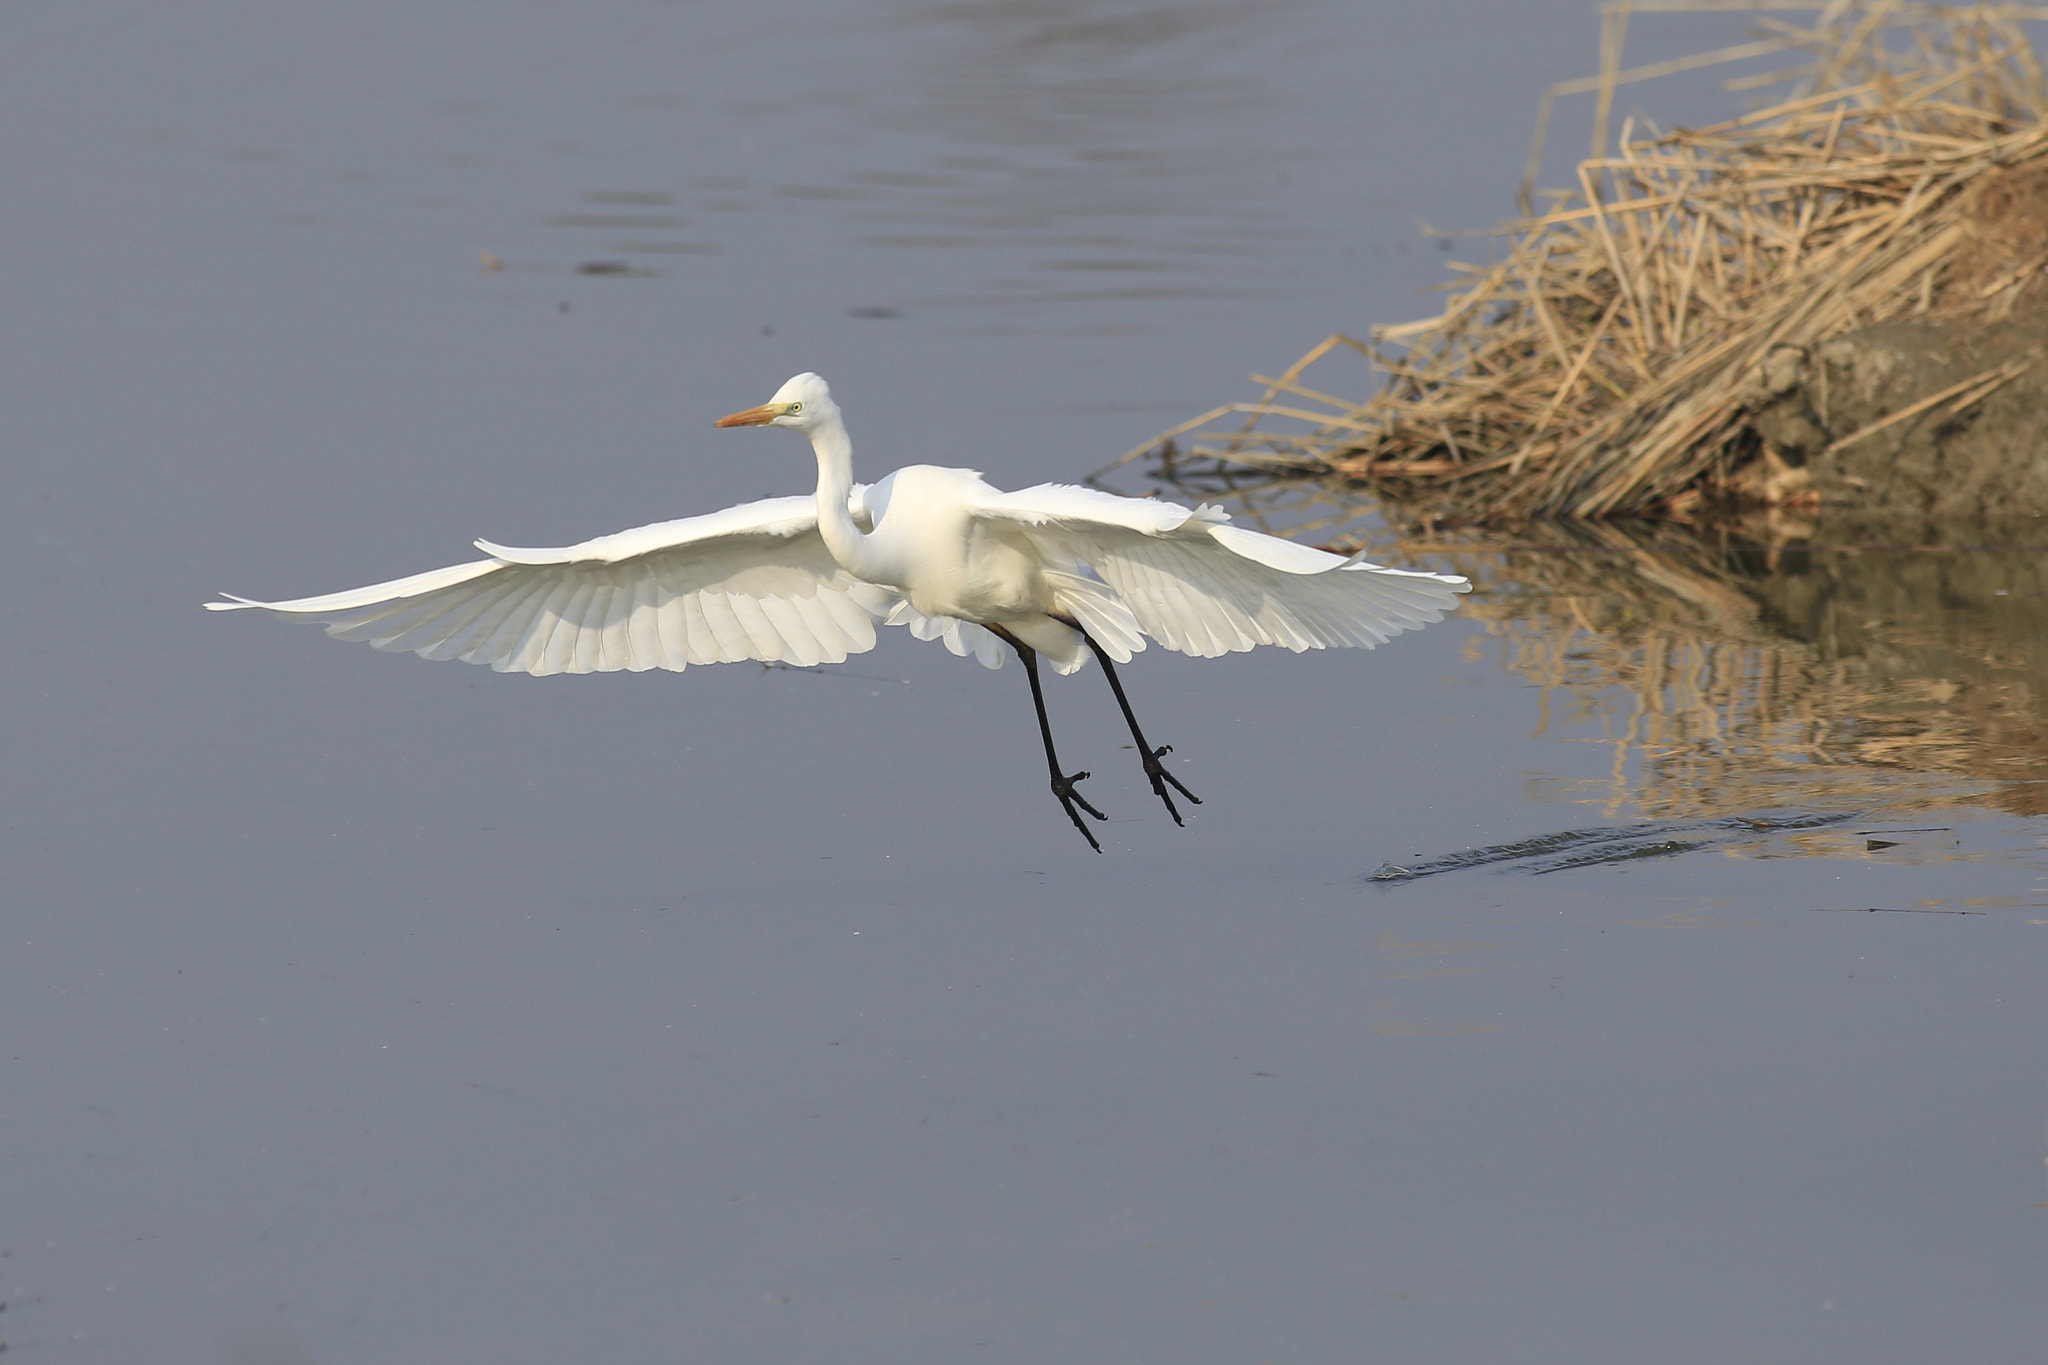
point(1607, 845)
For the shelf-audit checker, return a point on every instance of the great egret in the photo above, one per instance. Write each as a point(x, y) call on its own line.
point(1053, 570)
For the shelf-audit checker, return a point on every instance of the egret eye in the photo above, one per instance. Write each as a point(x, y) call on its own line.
point(795, 408)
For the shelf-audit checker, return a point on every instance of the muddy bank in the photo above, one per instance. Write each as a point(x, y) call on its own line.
point(1822, 418)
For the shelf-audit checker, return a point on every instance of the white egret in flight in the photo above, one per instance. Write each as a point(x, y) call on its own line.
point(1054, 570)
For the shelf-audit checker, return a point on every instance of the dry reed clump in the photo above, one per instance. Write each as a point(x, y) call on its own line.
point(1608, 362)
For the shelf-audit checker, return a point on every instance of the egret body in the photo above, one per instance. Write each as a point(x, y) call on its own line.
point(1056, 571)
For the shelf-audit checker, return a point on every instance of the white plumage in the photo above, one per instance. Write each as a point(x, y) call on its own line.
point(1054, 570)
point(751, 582)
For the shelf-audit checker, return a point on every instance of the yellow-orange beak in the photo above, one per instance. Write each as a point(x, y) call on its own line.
point(752, 417)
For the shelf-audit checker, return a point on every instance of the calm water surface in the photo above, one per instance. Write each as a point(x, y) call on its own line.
point(1644, 965)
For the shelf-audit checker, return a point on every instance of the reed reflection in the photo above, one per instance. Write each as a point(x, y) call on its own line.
point(1763, 664)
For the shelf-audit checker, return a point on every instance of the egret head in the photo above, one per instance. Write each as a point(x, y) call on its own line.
point(803, 404)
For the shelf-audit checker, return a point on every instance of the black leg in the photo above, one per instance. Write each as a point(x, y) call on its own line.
point(1062, 785)
point(1154, 769)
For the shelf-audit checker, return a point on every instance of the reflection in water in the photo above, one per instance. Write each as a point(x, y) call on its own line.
point(1724, 676)
point(1749, 669)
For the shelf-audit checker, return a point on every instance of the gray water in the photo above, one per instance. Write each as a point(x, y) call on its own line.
point(1643, 965)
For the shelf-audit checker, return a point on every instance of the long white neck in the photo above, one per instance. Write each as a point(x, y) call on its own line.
point(855, 553)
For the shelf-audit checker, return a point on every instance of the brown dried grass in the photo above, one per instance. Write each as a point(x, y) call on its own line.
point(1606, 363)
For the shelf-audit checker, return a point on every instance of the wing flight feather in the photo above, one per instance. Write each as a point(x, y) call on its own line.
point(750, 582)
point(1201, 586)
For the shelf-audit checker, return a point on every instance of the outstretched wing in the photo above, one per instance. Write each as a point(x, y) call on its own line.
point(1202, 586)
point(750, 582)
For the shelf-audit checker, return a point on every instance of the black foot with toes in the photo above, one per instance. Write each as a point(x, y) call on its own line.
point(1063, 788)
point(1156, 770)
